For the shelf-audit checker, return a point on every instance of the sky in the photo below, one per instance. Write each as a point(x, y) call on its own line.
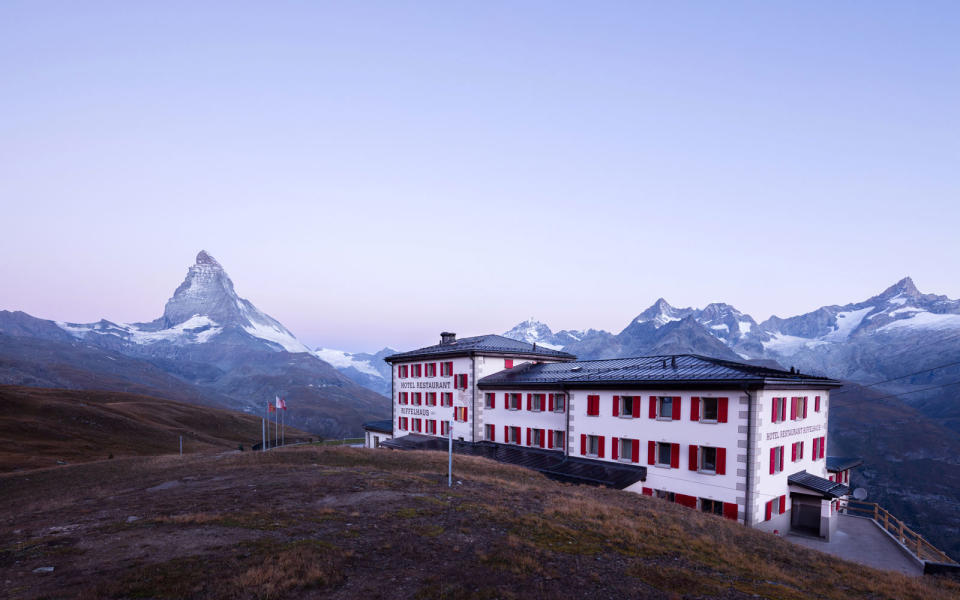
point(371, 174)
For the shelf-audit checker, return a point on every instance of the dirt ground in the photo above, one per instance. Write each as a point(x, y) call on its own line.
point(350, 523)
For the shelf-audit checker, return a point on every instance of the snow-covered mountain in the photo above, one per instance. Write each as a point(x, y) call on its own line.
point(217, 347)
point(203, 308)
point(535, 332)
point(368, 370)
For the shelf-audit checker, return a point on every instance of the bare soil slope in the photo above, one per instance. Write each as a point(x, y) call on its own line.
point(38, 427)
point(346, 523)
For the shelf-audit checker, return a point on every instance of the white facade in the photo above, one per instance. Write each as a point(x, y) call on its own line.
point(372, 439)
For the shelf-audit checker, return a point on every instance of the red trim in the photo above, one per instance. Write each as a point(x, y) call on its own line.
point(600, 441)
point(647, 491)
point(695, 408)
point(651, 452)
point(583, 444)
point(616, 406)
point(653, 408)
point(636, 406)
point(635, 451)
point(693, 457)
point(722, 461)
point(674, 456)
point(730, 511)
point(722, 411)
point(676, 408)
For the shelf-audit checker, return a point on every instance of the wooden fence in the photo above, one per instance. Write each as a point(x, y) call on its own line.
point(912, 540)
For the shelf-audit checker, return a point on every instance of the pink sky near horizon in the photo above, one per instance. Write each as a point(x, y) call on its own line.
point(373, 174)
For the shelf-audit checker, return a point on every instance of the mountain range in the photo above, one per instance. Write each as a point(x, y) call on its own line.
point(209, 347)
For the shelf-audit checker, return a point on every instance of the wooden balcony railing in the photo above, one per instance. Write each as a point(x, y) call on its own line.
point(911, 540)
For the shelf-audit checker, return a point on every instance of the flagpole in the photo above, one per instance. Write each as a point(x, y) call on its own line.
point(283, 425)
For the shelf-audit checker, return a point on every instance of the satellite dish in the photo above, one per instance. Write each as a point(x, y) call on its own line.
point(860, 494)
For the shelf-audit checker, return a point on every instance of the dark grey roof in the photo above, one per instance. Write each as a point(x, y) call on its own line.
point(551, 463)
point(679, 369)
point(842, 463)
point(385, 426)
point(495, 344)
point(830, 489)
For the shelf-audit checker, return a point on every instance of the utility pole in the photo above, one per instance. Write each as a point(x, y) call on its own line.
point(449, 454)
point(181, 445)
point(263, 435)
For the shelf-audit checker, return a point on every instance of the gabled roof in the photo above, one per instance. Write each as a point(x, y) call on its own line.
point(842, 463)
point(551, 463)
point(663, 371)
point(824, 487)
point(481, 344)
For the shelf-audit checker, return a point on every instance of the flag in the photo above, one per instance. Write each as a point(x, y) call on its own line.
point(271, 408)
point(281, 404)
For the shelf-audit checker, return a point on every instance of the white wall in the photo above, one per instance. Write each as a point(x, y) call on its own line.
point(370, 435)
point(784, 433)
point(439, 385)
point(681, 480)
point(500, 416)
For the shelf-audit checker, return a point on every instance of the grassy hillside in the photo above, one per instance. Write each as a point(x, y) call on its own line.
point(351, 523)
point(38, 427)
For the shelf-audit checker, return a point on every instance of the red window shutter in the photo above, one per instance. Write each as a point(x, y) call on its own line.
point(600, 446)
point(493, 433)
point(804, 407)
point(801, 449)
point(647, 491)
point(793, 452)
point(781, 457)
point(464, 413)
point(550, 405)
point(615, 448)
point(674, 456)
point(783, 504)
point(695, 408)
point(775, 403)
point(823, 446)
point(722, 412)
point(816, 404)
point(722, 461)
point(550, 440)
point(693, 457)
point(768, 512)
point(583, 444)
point(529, 401)
point(783, 409)
point(773, 460)
point(493, 400)
point(528, 436)
point(653, 408)
point(730, 511)
point(506, 433)
point(676, 408)
point(541, 437)
point(508, 363)
point(616, 406)
point(635, 451)
point(651, 452)
point(636, 406)
point(793, 408)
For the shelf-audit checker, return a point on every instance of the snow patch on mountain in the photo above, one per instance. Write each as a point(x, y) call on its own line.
point(197, 329)
point(345, 360)
point(924, 320)
point(847, 322)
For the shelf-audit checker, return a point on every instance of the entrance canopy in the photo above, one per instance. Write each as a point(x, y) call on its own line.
point(818, 486)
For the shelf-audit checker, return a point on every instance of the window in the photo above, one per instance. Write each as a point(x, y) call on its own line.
point(417, 425)
point(779, 408)
point(460, 414)
point(446, 369)
point(403, 371)
point(777, 506)
point(431, 398)
point(796, 451)
point(538, 402)
point(402, 424)
point(626, 450)
point(624, 406)
point(798, 408)
point(417, 370)
point(559, 403)
point(537, 438)
point(460, 381)
point(711, 506)
point(558, 439)
point(446, 398)
point(593, 406)
point(819, 449)
point(665, 408)
point(417, 398)
point(402, 397)
point(431, 369)
point(709, 409)
point(491, 433)
point(512, 434)
point(508, 363)
point(513, 401)
point(708, 459)
point(432, 427)
point(664, 452)
point(593, 445)
point(665, 495)
point(489, 400)
point(776, 459)
point(444, 428)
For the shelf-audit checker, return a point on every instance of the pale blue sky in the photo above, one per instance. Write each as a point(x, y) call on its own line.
point(373, 173)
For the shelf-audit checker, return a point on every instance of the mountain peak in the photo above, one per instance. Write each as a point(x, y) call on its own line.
point(905, 286)
point(205, 259)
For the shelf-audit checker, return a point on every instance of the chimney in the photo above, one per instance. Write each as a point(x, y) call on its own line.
point(673, 362)
point(447, 338)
